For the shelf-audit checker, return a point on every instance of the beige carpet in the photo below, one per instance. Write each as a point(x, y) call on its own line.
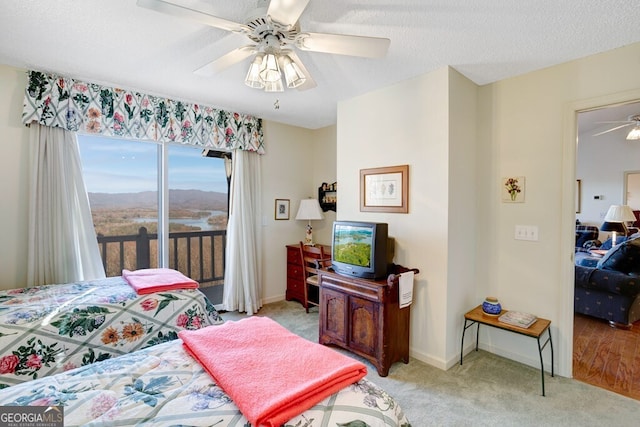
point(485, 390)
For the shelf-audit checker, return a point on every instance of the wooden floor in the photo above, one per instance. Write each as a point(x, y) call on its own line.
point(607, 357)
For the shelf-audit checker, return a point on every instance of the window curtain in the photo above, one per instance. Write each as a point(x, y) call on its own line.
point(78, 106)
point(243, 272)
point(62, 242)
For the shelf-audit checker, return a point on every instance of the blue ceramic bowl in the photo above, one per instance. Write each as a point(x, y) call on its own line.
point(491, 306)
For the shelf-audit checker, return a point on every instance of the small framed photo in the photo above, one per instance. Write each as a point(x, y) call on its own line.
point(513, 189)
point(385, 189)
point(282, 209)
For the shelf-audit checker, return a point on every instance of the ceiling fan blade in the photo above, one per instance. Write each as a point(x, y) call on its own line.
point(309, 82)
point(612, 129)
point(196, 15)
point(618, 121)
point(226, 61)
point(342, 44)
point(286, 12)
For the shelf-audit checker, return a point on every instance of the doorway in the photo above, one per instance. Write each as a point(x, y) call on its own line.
point(608, 167)
point(632, 189)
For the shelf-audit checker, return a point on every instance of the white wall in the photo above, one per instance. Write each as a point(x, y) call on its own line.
point(528, 127)
point(324, 170)
point(295, 162)
point(463, 207)
point(411, 123)
point(14, 178)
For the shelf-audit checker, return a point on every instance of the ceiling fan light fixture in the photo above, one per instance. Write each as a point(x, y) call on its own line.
point(270, 70)
point(253, 79)
point(634, 135)
point(292, 73)
point(274, 86)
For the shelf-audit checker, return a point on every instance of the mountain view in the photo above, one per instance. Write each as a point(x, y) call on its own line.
point(117, 214)
point(182, 199)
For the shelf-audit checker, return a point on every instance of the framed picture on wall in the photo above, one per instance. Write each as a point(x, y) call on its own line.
point(513, 189)
point(282, 209)
point(385, 189)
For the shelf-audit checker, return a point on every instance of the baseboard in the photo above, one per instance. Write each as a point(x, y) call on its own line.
point(429, 360)
point(276, 298)
point(264, 301)
point(533, 361)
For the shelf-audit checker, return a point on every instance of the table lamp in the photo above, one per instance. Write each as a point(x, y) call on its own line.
point(615, 220)
point(309, 210)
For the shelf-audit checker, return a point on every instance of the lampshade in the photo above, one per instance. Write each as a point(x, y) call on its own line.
point(619, 213)
point(274, 86)
point(618, 227)
point(309, 209)
point(270, 70)
point(634, 134)
point(292, 73)
point(253, 75)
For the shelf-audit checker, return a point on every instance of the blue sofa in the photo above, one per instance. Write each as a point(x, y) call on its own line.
point(586, 237)
point(611, 289)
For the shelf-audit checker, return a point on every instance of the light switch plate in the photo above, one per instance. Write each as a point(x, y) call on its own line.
point(526, 232)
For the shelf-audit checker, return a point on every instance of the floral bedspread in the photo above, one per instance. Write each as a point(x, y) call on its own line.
point(164, 386)
point(49, 329)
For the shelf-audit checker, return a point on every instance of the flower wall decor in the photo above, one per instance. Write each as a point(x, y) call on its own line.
point(513, 189)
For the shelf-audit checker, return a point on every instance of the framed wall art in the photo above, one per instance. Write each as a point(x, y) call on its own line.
point(385, 189)
point(513, 189)
point(282, 209)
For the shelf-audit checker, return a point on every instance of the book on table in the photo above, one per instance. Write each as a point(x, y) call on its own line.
point(518, 318)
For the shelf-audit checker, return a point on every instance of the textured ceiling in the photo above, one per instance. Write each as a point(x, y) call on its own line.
point(117, 43)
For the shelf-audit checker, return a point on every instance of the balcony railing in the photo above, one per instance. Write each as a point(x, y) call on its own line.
point(198, 254)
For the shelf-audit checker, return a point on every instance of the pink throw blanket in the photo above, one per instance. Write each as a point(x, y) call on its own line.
point(270, 373)
point(151, 280)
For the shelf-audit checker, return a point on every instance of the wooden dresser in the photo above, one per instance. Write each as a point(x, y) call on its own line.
point(364, 317)
point(295, 276)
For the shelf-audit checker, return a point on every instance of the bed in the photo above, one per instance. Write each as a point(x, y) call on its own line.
point(49, 329)
point(164, 386)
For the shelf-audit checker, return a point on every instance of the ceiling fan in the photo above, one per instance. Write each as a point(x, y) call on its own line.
point(633, 119)
point(274, 34)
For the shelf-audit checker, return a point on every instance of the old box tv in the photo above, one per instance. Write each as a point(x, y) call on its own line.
point(361, 249)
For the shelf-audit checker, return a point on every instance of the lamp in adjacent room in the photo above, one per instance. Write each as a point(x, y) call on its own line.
point(634, 134)
point(614, 228)
point(309, 210)
point(615, 219)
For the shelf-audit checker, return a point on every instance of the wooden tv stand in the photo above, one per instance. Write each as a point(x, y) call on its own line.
point(364, 317)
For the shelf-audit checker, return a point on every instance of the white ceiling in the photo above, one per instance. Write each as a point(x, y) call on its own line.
point(117, 43)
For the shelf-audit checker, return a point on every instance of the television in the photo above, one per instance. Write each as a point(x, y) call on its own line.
point(360, 249)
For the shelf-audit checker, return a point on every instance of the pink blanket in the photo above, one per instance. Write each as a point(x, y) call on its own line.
point(270, 373)
point(150, 280)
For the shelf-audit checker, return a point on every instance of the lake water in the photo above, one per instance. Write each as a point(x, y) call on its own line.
point(193, 222)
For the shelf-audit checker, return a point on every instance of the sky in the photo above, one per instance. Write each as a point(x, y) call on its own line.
point(112, 165)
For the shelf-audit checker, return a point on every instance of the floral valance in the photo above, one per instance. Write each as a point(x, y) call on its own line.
point(91, 108)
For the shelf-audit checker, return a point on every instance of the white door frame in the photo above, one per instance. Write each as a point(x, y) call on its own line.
point(567, 244)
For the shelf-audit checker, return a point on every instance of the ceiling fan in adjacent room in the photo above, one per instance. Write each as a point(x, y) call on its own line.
point(632, 120)
point(274, 34)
